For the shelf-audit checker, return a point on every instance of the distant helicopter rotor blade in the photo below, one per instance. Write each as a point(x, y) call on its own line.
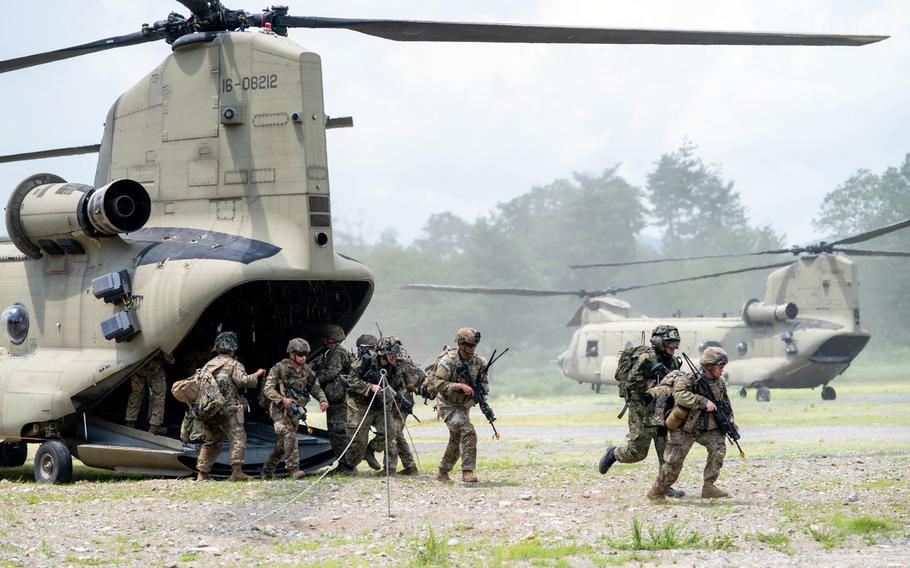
point(144, 36)
point(680, 259)
point(503, 291)
point(862, 252)
point(619, 289)
point(414, 30)
point(55, 153)
point(872, 234)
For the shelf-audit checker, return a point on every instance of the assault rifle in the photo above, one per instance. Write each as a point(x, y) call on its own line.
point(480, 397)
point(722, 411)
point(297, 411)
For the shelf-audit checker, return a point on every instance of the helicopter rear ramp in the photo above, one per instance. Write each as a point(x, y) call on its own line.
point(129, 450)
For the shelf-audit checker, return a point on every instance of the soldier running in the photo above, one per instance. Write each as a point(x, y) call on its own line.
point(290, 376)
point(650, 367)
point(230, 376)
point(699, 426)
point(456, 400)
point(330, 369)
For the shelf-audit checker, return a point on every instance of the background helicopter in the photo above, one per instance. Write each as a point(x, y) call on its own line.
point(210, 210)
point(802, 334)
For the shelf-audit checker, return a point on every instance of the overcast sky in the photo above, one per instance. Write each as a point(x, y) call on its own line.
point(458, 127)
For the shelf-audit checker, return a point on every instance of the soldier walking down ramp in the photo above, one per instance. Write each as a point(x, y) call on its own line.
point(455, 402)
point(150, 378)
point(640, 369)
point(695, 422)
point(330, 369)
point(290, 382)
point(230, 376)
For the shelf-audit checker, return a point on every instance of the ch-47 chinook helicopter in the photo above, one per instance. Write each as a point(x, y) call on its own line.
point(804, 332)
point(209, 210)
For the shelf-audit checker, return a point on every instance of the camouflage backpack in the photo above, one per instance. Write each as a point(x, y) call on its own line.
point(662, 399)
point(429, 371)
point(200, 392)
point(627, 359)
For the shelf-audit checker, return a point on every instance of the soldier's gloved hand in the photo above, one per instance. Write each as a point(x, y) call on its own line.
point(287, 402)
point(323, 406)
point(709, 406)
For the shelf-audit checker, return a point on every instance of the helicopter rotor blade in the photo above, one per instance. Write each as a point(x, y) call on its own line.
point(872, 234)
point(679, 259)
point(415, 30)
point(55, 153)
point(620, 289)
point(144, 36)
point(862, 252)
point(502, 291)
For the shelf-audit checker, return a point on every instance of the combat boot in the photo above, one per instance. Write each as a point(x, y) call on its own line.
point(130, 423)
point(676, 493)
point(237, 473)
point(203, 476)
point(657, 494)
point(607, 460)
point(382, 472)
point(157, 429)
point(410, 470)
point(296, 473)
point(467, 476)
point(343, 469)
point(711, 491)
point(371, 460)
point(443, 476)
point(268, 472)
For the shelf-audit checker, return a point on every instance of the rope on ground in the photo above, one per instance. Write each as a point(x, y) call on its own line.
point(333, 465)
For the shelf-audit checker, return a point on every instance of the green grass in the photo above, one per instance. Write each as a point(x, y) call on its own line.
point(777, 541)
point(432, 550)
point(669, 537)
point(825, 536)
point(534, 549)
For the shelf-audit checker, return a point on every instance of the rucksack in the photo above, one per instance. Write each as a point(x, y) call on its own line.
point(429, 371)
point(200, 392)
point(662, 399)
point(627, 359)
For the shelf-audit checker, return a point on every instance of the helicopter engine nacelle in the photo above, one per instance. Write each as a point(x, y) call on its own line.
point(46, 215)
point(757, 312)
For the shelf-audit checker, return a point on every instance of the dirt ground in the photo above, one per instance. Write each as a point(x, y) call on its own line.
point(823, 484)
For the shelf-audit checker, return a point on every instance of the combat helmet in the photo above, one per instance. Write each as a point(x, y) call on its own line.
point(713, 357)
point(367, 340)
point(467, 335)
point(333, 332)
point(299, 345)
point(662, 334)
point(388, 346)
point(226, 341)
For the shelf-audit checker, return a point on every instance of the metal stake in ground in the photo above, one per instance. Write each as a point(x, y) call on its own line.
point(383, 384)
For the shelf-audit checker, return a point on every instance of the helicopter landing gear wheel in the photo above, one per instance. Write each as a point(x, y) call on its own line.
point(828, 393)
point(597, 389)
point(53, 463)
point(743, 392)
point(763, 394)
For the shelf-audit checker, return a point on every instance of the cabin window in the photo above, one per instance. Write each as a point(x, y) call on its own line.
point(591, 349)
point(16, 319)
point(742, 348)
point(702, 345)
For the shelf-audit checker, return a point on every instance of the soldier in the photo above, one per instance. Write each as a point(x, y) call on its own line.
point(699, 426)
point(363, 383)
point(230, 376)
point(651, 366)
point(455, 402)
point(290, 376)
point(414, 376)
point(150, 377)
point(330, 368)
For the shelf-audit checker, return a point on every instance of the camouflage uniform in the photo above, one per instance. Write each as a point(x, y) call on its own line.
point(454, 407)
point(231, 377)
point(644, 374)
point(413, 378)
point(151, 376)
point(364, 373)
point(330, 368)
point(700, 426)
point(280, 377)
